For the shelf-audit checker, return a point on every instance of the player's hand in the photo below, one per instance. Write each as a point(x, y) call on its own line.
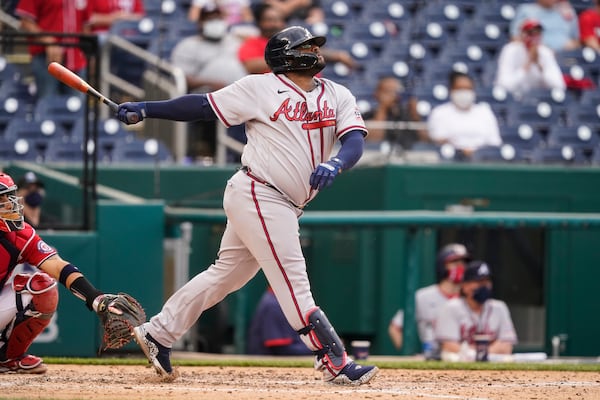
point(131, 113)
point(325, 173)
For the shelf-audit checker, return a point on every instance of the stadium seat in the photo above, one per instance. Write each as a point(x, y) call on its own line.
point(19, 150)
point(10, 108)
point(581, 136)
point(587, 114)
point(559, 155)
point(109, 128)
point(595, 157)
point(447, 14)
point(36, 131)
point(428, 97)
point(505, 153)
point(141, 151)
point(8, 71)
point(63, 109)
point(522, 137)
point(498, 99)
point(433, 35)
point(375, 34)
point(489, 36)
point(539, 116)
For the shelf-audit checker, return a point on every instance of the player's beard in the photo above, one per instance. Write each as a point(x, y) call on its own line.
point(315, 69)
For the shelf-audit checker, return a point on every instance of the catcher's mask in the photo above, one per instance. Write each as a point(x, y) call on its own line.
point(282, 54)
point(11, 205)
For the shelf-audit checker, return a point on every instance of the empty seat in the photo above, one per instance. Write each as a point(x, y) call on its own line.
point(539, 116)
point(428, 97)
point(581, 136)
point(19, 150)
point(10, 108)
point(521, 136)
point(63, 109)
point(559, 155)
point(109, 128)
point(141, 151)
point(587, 114)
point(489, 36)
point(499, 154)
point(36, 131)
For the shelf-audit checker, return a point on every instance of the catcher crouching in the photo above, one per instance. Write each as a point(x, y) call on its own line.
point(28, 300)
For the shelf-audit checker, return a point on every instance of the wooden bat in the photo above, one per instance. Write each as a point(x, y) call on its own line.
point(71, 79)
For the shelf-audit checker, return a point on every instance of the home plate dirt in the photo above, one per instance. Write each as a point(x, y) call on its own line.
point(252, 383)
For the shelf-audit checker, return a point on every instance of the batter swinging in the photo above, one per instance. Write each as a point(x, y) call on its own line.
point(293, 120)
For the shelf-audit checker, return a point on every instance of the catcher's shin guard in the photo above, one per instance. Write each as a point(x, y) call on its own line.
point(331, 356)
point(32, 318)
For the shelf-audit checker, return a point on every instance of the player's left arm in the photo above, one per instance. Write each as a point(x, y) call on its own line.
point(350, 152)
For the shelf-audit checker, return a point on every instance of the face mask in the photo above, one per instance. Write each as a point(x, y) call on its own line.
point(482, 294)
point(34, 199)
point(532, 40)
point(456, 274)
point(214, 29)
point(463, 98)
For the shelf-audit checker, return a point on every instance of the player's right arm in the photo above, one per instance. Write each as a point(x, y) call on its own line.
point(190, 107)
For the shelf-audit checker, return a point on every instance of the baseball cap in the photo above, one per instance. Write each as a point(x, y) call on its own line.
point(452, 252)
point(208, 10)
point(531, 24)
point(30, 178)
point(476, 271)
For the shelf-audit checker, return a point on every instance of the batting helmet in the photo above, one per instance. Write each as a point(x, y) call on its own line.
point(281, 53)
point(448, 253)
point(11, 207)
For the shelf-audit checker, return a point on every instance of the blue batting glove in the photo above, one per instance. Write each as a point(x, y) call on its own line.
point(131, 113)
point(325, 173)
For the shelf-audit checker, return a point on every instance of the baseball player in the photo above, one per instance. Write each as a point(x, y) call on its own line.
point(450, 267)
point(293, 119)
point(28, 300)
point(474, 313)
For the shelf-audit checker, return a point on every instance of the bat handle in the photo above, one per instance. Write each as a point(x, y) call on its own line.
point(132, 118)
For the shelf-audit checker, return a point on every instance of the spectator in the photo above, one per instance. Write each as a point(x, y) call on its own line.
point(589, 26)
point(235, 11)
point(561, 30)
point(32, 190)
point(307, 11)
point(209, 61)
point(68, 16)
point(270, 332)
point(103, 13)
point(462, 122)
point(252, 51)
point(474, 313)
point(526, 64)
point(393, 104)
point(450, 267)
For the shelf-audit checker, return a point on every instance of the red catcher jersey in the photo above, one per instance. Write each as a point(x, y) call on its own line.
point(32, 249)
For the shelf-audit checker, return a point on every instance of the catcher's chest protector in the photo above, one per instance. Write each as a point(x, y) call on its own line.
point(9, 258)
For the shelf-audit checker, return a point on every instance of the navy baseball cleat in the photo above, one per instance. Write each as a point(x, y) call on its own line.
point(157, 354)
point(354, 374)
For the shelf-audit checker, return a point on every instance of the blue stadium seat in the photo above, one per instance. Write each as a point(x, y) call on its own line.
point(580, 64)
point(540, 116)
point(10, 108)
point(428, 97)
point(141, 151)
point(565, 155)
point(19, 150)
point(487, 35)
point(448, 14)
point(581, 137)
point(434, 35)
point(8, 71)
point(109, 128)
point(63, 109)
point(36, 131)
point(506, 153)
point(587, 114)
point(522, 136)
point(375, 34)
point(595, 157)
point(498, 99)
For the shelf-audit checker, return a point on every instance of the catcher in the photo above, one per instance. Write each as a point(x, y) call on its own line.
point(28, 301)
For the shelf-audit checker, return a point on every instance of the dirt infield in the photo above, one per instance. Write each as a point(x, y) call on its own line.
point(253, 383)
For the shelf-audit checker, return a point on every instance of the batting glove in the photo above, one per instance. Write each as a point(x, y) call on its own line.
point(325, 173)
point(131, 113)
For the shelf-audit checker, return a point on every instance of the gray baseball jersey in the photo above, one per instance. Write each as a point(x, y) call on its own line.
point(428, 302)
point(290, 131)
point(457, 322)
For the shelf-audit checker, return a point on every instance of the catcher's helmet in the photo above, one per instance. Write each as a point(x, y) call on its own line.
point(11, 207)
point(448, 253)
point(281, 53)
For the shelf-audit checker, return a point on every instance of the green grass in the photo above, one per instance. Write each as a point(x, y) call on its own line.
point(283, 363)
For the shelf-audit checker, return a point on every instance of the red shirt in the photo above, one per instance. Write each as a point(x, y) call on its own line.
point(112, 6)
point(589, 24)
point(32, 249)
point(64, 16)
point(252, 48)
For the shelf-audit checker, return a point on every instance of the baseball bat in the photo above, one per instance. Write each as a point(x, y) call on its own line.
point(71, 79)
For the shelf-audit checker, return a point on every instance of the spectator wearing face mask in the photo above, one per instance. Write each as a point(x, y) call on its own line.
point(33, 192)
point(461, 122)
point(209, 61)
point(525, 64)
point(474, 314)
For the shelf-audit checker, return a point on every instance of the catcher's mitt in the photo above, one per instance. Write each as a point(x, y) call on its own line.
point(119, 314)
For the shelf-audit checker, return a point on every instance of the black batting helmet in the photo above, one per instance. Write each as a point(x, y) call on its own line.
point(448, 253)
point(281, 53)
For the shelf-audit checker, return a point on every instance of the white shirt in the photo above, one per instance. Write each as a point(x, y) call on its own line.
point(517, 80)
point(428, 302)
point(464, 129)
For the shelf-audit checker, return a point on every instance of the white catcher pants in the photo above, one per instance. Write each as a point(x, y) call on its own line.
point(262, 232)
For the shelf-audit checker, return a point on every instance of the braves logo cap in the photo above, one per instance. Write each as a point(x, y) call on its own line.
point(476, 271)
